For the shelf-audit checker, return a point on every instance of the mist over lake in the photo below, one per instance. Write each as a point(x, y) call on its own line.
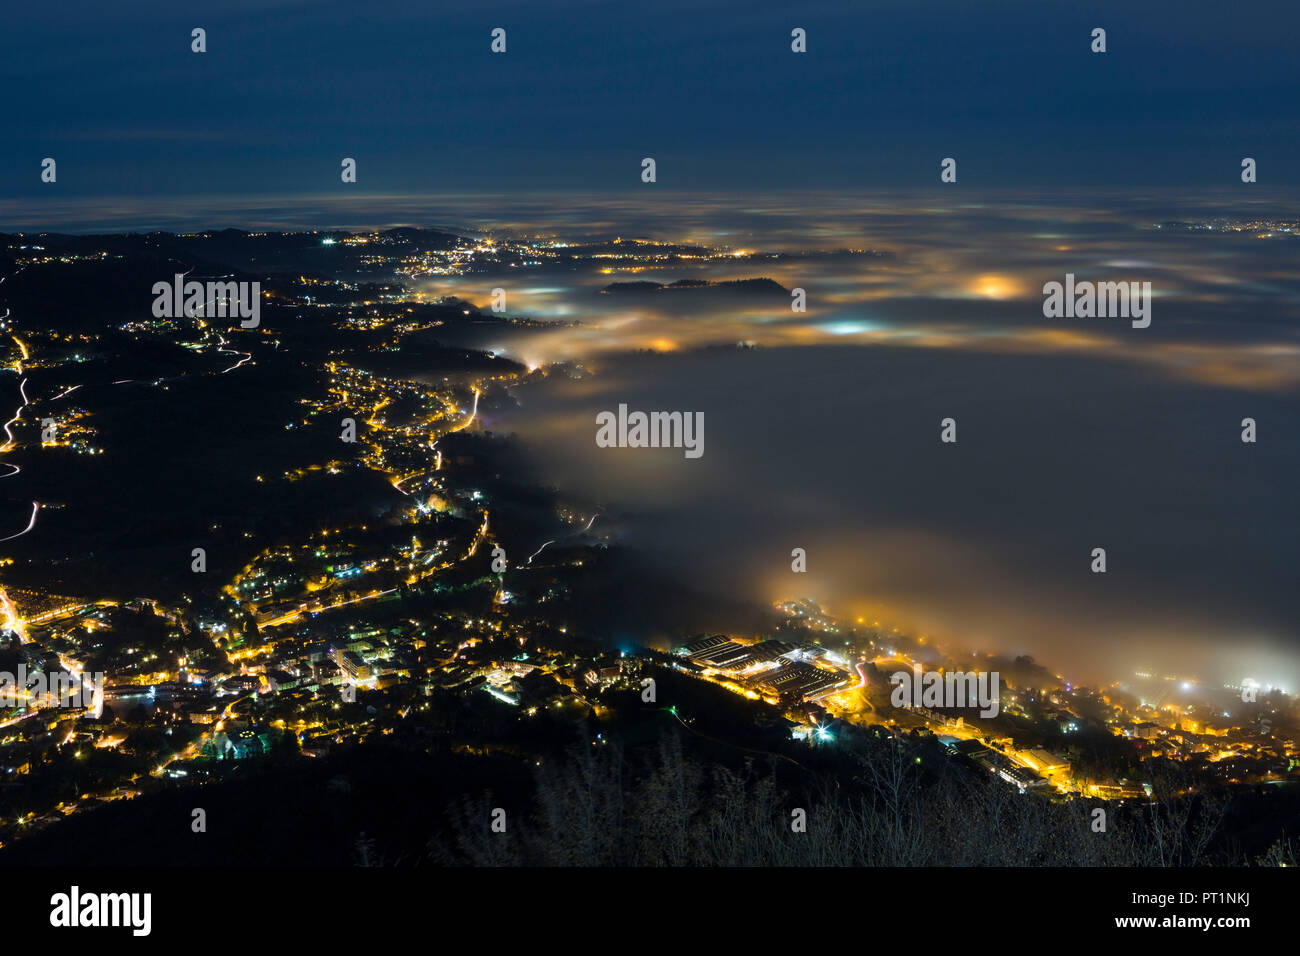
point(1072, 435)
point(985, 542)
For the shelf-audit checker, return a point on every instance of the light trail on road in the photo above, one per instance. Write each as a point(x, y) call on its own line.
point(22, 390)
point(247, 355)
point(552, 541)
point(17, 415)
point(472, 413)
point(36, 506)
point(433, 446)
point(539, 551)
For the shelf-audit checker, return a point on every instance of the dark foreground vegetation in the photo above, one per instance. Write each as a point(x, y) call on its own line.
point(664, 802)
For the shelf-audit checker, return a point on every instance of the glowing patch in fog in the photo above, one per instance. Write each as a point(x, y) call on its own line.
point(849, 327)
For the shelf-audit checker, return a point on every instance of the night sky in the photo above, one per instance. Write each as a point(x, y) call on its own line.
point(586, 89)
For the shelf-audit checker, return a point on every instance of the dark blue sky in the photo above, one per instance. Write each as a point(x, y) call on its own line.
point(586, 89)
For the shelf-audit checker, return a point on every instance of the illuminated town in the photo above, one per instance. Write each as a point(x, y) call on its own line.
point(355, 577)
